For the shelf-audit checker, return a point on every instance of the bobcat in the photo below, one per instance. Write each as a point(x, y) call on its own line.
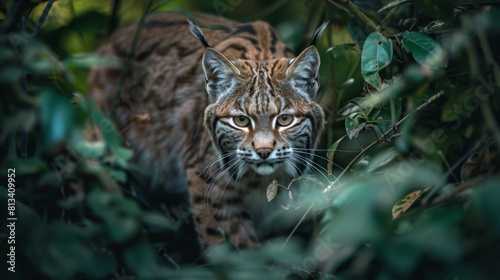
point(227, 119)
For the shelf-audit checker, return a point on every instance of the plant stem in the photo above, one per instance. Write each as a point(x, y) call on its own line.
point(353, 9)
point(298, 224)
point(135, 40)
point(434, 97)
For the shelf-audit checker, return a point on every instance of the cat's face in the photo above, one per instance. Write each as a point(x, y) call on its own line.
point(263, 115)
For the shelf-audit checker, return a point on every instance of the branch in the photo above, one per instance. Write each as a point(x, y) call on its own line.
point(350, 7)
point(430, 100)
point(135, 40)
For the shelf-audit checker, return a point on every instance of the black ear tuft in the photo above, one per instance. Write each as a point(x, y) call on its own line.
point(196, 31)
point(319, 32)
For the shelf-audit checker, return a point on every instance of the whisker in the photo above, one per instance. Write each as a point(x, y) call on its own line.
point(312, 164)
point(220, 167)
point(312, 154)
point(236, 169)
point(326, 150)
point(207, 193)
point(223, 156)
point(321, 157)
point(293, 166)
point(298, 155)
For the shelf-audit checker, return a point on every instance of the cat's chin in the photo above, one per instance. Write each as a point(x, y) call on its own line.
point(265, 169)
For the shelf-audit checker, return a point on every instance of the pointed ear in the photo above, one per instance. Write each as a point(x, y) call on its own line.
point(303, 73)
point(220, 74)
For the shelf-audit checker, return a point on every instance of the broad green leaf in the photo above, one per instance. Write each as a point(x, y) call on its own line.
point(376, 55)
point(119, 215)
point(374, 80)
point(157, 221)
point(436, 233)
point(143, 261)
point(351, 122)
point(108, 130)
point(26, 166)
point(331, 153)
point(425, 50)
point(401, 255)
point(272, 190)
point(353, 106)
point(61, 252)
point(91, 60)
point(119, 175)
point(381, 159)
point(84, 148)
point(353, 126)
point(56, 117)
point(484, 199)
point(122, 155)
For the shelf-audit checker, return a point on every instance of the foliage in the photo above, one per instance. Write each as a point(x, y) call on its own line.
point(410, 157)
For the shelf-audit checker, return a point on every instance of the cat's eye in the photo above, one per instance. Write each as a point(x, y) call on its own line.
point(285, 120)
point(241, 121)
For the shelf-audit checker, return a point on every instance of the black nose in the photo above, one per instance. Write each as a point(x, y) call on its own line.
point(264, 152)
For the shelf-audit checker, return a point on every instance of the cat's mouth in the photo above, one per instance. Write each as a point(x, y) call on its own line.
point(265, 168)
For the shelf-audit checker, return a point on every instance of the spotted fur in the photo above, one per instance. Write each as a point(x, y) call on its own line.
point(237, 114)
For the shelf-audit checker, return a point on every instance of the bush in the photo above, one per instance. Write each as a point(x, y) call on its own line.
point(410, 158)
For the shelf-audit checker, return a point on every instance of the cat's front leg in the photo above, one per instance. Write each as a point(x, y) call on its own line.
point(219, 213)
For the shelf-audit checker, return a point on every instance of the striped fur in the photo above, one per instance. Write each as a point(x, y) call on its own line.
point(251, 78)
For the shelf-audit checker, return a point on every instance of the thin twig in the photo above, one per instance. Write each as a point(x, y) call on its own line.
point(113, 21)
point(135, 40)
point(330, 187)
point(353, 9)
point(43, 17)
point(430, 100)
point(298, 224)
point(460, 188)
point(428, 197)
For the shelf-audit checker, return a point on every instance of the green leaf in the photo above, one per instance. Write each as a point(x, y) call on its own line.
point(118, 175)
point(401, 255)
point(91, 60)
point(374, 80)
point(425, 50)
point(86, 149)
point(484, 199)
point(353, 126)
point(56, 117)
point(61, 252)
point(26, 166)
point(381, 159)
point(157, 221)
point(376, 55)
point(108, 130)
point(272, 190)
point(119, 215)
point(331, 153)
point(122, 155)
point(142, 259)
